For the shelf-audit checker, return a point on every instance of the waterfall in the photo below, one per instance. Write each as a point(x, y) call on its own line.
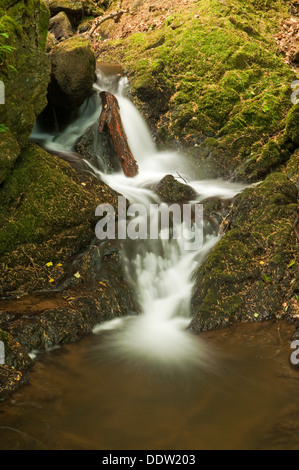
point(160, 270)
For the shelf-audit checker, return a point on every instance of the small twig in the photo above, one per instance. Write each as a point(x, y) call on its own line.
point(115, 15)
point(181, 177)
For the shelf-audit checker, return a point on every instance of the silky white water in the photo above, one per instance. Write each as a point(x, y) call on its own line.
point(161, 270)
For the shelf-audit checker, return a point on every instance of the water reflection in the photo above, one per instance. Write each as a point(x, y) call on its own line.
point(82, 397)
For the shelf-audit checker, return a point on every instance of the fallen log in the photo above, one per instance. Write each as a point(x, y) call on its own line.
point(110, 120)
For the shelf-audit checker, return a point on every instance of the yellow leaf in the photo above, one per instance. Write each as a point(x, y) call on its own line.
point(49, 264)
point(59, 264)
point(77, 275)
point(51, 280)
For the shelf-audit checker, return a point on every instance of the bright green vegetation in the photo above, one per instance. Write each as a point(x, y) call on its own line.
point(212, 70)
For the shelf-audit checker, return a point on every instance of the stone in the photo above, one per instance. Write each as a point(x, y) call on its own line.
point(172, 190)
point(60, 26)
point(250, 273)
point(26, 71)
point(72, 73)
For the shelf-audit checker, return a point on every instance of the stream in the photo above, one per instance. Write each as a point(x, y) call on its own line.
point(146, 382)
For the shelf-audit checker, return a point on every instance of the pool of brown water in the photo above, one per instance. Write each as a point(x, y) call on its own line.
point(244, 395)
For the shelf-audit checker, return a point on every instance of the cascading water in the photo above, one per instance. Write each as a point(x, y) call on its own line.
point(161, 270)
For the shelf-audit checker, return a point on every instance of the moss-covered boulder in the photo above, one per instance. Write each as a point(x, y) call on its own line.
point(251, 273)
point(25, 68)
point(209, 76)
point(46, 215)
point(72, 73)
point(10, 380)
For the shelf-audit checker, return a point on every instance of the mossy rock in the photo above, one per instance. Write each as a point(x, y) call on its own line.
point(171, 190)
point(291, 133)
point(249, 274)
point(46, 214)
point(10, 381)
point(270, 159)
point(72, 73)
point(25, 69)
point(9, 151)
point(60, 26)
point(15, 354)
point(292, 168)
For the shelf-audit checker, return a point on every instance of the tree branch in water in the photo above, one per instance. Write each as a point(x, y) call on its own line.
point(111, 121)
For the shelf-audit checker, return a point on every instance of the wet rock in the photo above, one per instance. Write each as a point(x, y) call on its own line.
point(72, 73)
point(291, 133)
point(98, 150)
point(93, 289)
point(10, 381)
point(60, 26)
point(171, 190)
point(46, 215)
point(250, 273)
point(15, 354)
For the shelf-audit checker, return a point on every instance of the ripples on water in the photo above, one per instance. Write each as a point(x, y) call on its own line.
point(82, 396)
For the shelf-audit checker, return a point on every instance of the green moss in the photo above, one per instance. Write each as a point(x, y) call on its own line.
point(247, 271)
point(41, 198)
point(26, 69)
point(46, 214)
point(9, 151)
point(214, 76)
